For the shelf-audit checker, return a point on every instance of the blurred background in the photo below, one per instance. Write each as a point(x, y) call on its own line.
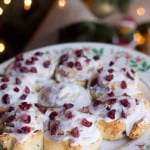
point(29, 24)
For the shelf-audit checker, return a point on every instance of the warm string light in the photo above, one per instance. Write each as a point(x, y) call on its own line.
point(27, 4)
point(6, 2)
point(61, 3)
point(139, 38)
point(2, 47)
point(141, 11)
point(1, 10)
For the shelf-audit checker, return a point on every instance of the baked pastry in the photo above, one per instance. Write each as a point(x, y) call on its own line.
point(70, 129)
point(77, 66)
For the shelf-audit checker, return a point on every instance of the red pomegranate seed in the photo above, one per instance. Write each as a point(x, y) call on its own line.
point(109, 77)
point(25, 106)
point(63, 58)
point(46, 64)
point(38, 53)
point(75, 132)
point(18, 81)
point(54, 128)
point(86, 123)
point(111, 63)
point(96, 103)
point(132, 71)
point(129, 76)
point(125, 94)
point(17, 64)
point(123, 84)
point(110, 70)
point(125, 103)
point(111, 114)
point(10, 109)
point(29, 62)
point(111, 94)
point(5, 79)
point(85, 110)
point(3, 86)
point(26, 119)
point(68, 105)
point(41, 108)
point(25, 130)
point(78, 65)
point(96, 58)
point(23, 96)
point(27, 90)
point(33, 70)
point(10, 118)
point(53, 115)
point(19, 57)
point(16, 89)
point(69, 115)
point(70, 64)
point(94, 82)
point(34, 59)
point(111, 101)
point(123, 114)
point(87, 60)
point(6, 99)
point(24, 69)
point(79, 53)
point(123, 69)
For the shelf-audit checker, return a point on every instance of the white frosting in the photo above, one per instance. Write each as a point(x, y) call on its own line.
point(59, 94)
point(65, 73)
point(87, 136)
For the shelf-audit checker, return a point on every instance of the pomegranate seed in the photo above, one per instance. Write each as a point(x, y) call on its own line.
point(96, 58)
point(125, 103)
point(19, 57)
point(5, 79)
point(54, 128)
point(109, 77)
point(123, 69)
point(123, 84)
point(87, 60)
point(132, 71)
point(111, 63)
point(96, 103)
point(129, 76)
point(27, 90)
point(125, 94)
point(75, 132)
point(111, 94)
point(78, 65)
point(69, 115)
point(86, 123)
point(111, 101)
point(63, 58)
point(38, 53)
point(34, 59)
point(85, 110)
point(46, 64)
point(18, 81)
point(17, 64)
point(10, 118)
point(26, 119)
point(79, 53)
point(16, 89)
point(41, 108)
point(111, 114)
point(25, 130)
point(25, 106)
point(29, 62)
point(100, 70)
point(53, 115)
point(123, 114)
point(70, 64)
point(10, 109)
point(33, 70)
point(24, 69)
point(3, 86)
point(110, 70)
point(68, 105)
point(23, 96)
point(6, 99)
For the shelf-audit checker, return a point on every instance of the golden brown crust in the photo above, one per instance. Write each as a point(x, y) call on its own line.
point(50, 144)
point(112, 130)
point(35, 142)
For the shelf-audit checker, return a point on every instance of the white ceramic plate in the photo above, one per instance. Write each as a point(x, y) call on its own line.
point(122, 56)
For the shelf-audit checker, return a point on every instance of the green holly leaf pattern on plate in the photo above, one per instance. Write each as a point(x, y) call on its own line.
point(98, 52)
